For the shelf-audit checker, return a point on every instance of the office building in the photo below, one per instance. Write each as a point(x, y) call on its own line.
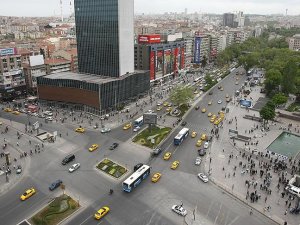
point(294, 42)
point(228, 20)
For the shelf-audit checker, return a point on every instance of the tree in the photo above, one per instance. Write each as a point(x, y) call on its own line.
point(289, 77)
point(267, 114)
point(208, 79)
point(279, 99)
point(273, 80)
point(181, 95)
point(204, 61)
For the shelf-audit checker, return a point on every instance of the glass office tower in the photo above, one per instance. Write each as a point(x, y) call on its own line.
point(105, 36)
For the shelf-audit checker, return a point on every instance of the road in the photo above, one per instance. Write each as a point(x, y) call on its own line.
point(148, 204)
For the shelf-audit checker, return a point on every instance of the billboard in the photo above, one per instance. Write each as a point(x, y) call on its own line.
point(197, 50)
point(150, 118)
point(149, 38)
point(36, 60)
point(246, 103)
point(167, 62)
point(176, 60)
point(182, 58)
point(159, 63)
point(7, 51)
point(152, 65)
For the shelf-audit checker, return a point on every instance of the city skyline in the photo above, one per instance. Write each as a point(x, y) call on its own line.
point(37, 8)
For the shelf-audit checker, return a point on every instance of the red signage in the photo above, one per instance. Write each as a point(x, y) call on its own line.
point(182, 58)
point(149, 38)
point(152, 65)
point(176, 60)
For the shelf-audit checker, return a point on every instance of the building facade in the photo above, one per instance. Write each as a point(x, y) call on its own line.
point(294, 42)
point(228, 20)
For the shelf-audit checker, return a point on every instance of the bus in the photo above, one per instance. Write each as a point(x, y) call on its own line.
point(197, 79)
point(139, 122)
point(181, 136)
point(136, 178)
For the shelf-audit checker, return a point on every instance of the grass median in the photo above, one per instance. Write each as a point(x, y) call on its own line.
point(111, 168)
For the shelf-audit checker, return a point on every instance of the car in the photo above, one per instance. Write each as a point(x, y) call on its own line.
point(8, 110)
point(55, 185)
point(228, 99)
point(156, 177)
point(159, 104)
point(19, 169)
point(206, 144)
point(93, 147)
point(212, 119)
point(203, 177)
point(219, 87)
point(166, 104)
point(101, 212)
point(80, 130)
point(179, 210)
point(199, 143)
point(227, 96)
point(209, 114)
point(27, 194)
point(150, 111)
point(113, 146)
point(194, 134)
point(217, 121)
point(137, 166)
point(16, 113)
point(74, 167)
point(203, 137)
point(42, 116)
point(222, 89)
point(198, 161)
point(35, 114)
point(67, 159)
point(174, 165)
point(183, 123)
point(201, 152)
point(1, 122)
point(159, 108)
point(203, 110)
point(220, 101)
point(136, 129)
point(127, 126)
point(105, 130)
point(209, 103)
point(210, 93)
point(169, 109)
point(196, 92)
point(197, 107)
point(157, 151)
point(49, 118)
point(170, 104)
point(223, 108)
point(167, 155)
point(236, 83)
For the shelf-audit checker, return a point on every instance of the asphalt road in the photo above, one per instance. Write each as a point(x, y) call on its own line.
point(148, 204)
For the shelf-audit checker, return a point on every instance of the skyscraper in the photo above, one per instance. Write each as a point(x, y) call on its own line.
point(228, 20)
point(105, 36)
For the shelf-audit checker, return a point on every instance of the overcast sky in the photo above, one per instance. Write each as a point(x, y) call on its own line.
point(51, 7)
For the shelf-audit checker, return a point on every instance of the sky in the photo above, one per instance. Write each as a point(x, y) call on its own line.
point(52, 7)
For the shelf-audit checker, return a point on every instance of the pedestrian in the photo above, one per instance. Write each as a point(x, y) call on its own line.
point(266, 198)
point(251, 211)
point(285, 212)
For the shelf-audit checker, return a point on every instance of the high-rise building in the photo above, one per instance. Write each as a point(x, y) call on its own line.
point(228, 20)
point(105, 36)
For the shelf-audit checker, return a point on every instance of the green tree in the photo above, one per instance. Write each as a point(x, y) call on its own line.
point(181, 95)
point(289, 77)
point(279, 99)
point(204, 61)
point(273, 81)
point(267, 113)
point(208, 79)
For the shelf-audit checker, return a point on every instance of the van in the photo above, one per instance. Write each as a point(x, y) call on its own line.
point(68, 159)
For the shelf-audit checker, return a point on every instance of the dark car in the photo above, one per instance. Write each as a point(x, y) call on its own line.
point(183, 123)
point(210, 93)
point(157, 151)
point(197, 107)
point(113, 146)
point(55, 185)
point(202, 152)
point(137, 166)
point(68, 159)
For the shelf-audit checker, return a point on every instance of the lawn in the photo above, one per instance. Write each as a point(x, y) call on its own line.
point(152, 138)
point(293, 107)
point(111, 168)
point(183, 108)
point(60, 208)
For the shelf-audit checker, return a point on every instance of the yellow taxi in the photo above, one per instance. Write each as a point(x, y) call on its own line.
point(194, 134)
point(221, 112)
point(159, 108)
point(166, 104)
point(222, 89)
point(101, 212)
point(27, 194)
point(227, 96)
point(170, 104)
point(209, 114)
point(7, 110)
point(93, 147)
point(80, 130)
point(127, 126)
point(169, 109)
point(156, 177)
point(16, 112)
point(203, 110)
point(167, 155)
point(199, 143)
point(209, 103)
point(174, 165)
point(1, 123)
point(203, 137)
point(217, 121)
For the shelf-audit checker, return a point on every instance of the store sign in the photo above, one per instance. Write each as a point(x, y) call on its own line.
point(197, 50)
point(7, 51)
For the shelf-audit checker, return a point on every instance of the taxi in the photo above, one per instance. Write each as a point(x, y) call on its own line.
point(166, 104)
point(27, 194)
point(174, 165)
point(222, 89)
point(1, 123)
point(203, 110)
point(7, 110)
point(156, 177)
point(167, 155)
point(194, 134)
point(203, 137)
point(170, 104)
point(169, 109)
point(217, 121)
point(196, 92)
point(16, 112)
point(127, 126)
point(209, 114)
point(236, 83)
point(199, 143)
point(159, 108)
point(93, 147)
point(209, 103)
point(80, 130)
point(101, 212)
point(227, 96)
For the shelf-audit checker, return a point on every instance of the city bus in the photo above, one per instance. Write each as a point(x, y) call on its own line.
point(139, 122)
point(136, 178)
point(181, 136)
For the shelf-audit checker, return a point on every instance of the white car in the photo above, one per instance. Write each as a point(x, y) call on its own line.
point(203, 177)
point(159, 104)
point(179, 210)
point(105, 130)
point(150, 111)
point(198, 161)
point(35, 114)
point(206, 144)
point(74, 167)
point(136, 129)
point(49, 118)
point(220, 101)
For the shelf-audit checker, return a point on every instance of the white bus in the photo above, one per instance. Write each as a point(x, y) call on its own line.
point(181, 136)
point(136, 178)
point(139, 122)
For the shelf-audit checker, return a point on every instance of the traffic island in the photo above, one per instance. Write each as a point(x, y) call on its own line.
point(111, 168)
point(152, 137)
point(58, 210)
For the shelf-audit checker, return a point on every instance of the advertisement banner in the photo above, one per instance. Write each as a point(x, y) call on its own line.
point(159, 63)
point(152, 65)
point(7, 51)
point(182, 58)
point(148, 39)
point(176, 60)
point(167, 62)
point(197, 50)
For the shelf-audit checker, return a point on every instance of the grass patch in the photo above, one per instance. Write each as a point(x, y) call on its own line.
point(111, 168)
point(56, 211)
point(158, 134)
point(295, 106)
point(209, 86)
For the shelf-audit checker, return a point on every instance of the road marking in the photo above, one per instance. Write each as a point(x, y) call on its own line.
point(233, 221)
point(218, 214)
point(100, 222)
point(85, 220)
point(211, 204)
